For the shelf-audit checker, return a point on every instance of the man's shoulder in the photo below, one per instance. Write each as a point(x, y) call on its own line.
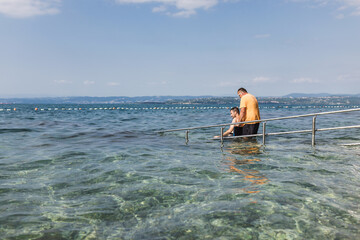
point(250, 96)
point(247, 96)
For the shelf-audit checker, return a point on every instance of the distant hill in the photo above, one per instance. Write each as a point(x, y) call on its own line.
point(299, 95)
point(279, 101)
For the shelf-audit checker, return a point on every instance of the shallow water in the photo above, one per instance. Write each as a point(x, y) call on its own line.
point(105, 174)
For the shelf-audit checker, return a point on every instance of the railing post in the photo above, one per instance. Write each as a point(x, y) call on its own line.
point(313, 131)
point(186, 137)
point(264, 132)
point(222, 136)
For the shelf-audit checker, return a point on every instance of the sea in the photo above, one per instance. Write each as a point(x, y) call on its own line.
point(102, 171)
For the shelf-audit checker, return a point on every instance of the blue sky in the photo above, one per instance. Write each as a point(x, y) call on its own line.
point(178, 47)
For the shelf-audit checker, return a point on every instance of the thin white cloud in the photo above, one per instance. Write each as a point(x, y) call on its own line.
point(184, 14)
point(89, 82)
point(340, 16)
point(113, 84)
point(186, 8)
point(312, 2)
point(353, 6)
point(29, 8)
point(62, 82)
point(348, 78)
point(183, 8)
point(159, 9)
point(176, 8)
point(304, 80)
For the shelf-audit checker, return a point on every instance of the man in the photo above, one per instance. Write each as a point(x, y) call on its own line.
point(235, 130)
point(249, 111)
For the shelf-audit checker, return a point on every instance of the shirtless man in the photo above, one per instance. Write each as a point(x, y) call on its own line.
point(235, 130)
point(249, 112)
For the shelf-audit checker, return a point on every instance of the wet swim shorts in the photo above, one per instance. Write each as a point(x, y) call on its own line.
point(250, 129)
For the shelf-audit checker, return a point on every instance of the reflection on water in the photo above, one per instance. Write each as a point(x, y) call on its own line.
point(244, 147)
point(235, 162)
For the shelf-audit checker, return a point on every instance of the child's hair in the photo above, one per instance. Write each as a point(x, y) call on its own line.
point(236, 109)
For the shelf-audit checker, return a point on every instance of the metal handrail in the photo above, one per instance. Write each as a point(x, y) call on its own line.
point(292, 132)
point(256, 121)
point(264, 121)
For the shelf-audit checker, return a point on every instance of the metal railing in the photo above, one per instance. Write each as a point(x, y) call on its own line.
point(264, 134)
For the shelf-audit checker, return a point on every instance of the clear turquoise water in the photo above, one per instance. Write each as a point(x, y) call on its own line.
point(105, 174)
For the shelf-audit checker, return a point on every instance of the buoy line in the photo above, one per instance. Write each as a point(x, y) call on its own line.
point(125, 108)
point(37, 109)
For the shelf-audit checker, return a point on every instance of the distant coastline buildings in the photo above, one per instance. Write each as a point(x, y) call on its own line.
point(289, 99)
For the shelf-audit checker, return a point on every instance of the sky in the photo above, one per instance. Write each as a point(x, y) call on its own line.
point(55, 48)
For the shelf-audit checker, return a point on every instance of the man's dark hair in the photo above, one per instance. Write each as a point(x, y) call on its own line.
point(236, 109)
point(242, 90)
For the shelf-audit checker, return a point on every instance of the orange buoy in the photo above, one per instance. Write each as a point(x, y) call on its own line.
point(36, 109)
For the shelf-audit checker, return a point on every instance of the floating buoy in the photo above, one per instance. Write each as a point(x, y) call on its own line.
point(36, 109)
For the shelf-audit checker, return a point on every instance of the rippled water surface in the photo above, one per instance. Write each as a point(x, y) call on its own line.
point(106, 174)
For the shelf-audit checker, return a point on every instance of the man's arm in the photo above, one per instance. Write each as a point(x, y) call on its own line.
point(231, 128)
point(242, 114)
